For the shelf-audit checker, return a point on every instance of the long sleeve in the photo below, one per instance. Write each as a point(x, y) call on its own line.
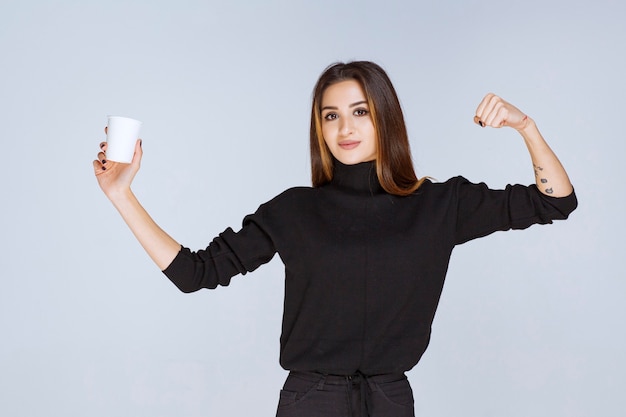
point(482, 211)
point(227, 255)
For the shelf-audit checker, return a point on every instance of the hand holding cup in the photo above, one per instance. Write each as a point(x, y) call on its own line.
point(116, 177)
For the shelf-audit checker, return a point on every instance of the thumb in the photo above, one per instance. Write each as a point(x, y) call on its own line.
point(138, 153)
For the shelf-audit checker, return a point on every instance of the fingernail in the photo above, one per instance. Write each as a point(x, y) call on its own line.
point(104, 168)
point(104, 161)
point(101, 145)
point(480, 122)
point(140, 142)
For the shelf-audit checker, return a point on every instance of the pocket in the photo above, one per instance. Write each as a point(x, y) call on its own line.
point(294, 391)
point(396, 392)
point(287, 398)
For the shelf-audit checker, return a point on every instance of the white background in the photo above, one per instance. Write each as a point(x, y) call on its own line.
point(530, 324)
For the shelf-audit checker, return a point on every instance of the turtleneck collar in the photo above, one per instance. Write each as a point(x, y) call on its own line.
point(359, 177)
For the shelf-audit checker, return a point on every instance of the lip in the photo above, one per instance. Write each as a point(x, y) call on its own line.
point(349, 144)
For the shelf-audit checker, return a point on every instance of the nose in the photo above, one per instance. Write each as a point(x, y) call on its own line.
point(346, 126)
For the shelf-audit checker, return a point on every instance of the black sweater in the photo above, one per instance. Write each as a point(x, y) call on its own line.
point(364, 269)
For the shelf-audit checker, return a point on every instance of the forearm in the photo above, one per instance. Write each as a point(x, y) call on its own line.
point(550, 176)
point(156, 242)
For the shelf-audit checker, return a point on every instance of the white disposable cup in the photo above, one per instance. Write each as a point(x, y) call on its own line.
point(122, 134)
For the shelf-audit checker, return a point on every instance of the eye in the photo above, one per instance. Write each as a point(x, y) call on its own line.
point(330, 116)
point(361, 112)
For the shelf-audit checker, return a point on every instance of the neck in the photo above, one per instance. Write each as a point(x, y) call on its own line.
point(359, 177)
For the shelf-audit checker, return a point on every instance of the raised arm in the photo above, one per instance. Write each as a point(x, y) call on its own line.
point(115, 180)
point(550, 176)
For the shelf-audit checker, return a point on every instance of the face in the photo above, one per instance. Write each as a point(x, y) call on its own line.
point(347, 124)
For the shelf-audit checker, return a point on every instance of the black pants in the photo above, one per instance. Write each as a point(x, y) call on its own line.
point(311, 394)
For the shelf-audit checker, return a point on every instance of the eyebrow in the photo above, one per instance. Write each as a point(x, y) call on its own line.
point(351, 105)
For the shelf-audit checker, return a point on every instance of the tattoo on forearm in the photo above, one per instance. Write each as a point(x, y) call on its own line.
point(538, 170)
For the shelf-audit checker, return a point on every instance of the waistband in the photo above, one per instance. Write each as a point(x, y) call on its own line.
point(366, 384)
point(334, 379)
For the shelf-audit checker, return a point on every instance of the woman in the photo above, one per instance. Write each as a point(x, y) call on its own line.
point(365, 249)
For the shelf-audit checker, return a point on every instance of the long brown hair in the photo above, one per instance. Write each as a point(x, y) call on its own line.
point(394, 166)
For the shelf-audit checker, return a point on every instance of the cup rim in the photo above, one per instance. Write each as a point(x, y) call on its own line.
point(124, 117)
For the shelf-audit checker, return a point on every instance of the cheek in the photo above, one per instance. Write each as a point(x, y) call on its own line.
point(374, 139)
point(326, 134)
point(370, 130)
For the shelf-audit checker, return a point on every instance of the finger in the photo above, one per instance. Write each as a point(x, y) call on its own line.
point(484, 108)
point(499, 116)
point(102, 157)
point(483, 104)
point(103, 146)
point(105, 130)
point(98, 167)
point(490, 109)
point(503, 116)
point(492, 113)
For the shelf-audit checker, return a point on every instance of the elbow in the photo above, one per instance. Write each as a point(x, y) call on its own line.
point(194, 284)
point(561, 207)
point(570, 204)
point(186, 286)
point(187, 289)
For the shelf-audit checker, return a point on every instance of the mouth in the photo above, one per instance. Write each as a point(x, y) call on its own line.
point(349, 144)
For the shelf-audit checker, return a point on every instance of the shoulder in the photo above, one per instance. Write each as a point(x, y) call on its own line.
point(450, 191)
point(284, 205)
point(289, 198)
point(460, 183)
point(452, 182)
point(283, 210)
point(431, 185)
point(293, 193)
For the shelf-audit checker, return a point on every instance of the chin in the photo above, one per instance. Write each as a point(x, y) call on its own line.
point(353, 159)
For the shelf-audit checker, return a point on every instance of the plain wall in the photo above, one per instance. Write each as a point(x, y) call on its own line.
point(530, 323)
